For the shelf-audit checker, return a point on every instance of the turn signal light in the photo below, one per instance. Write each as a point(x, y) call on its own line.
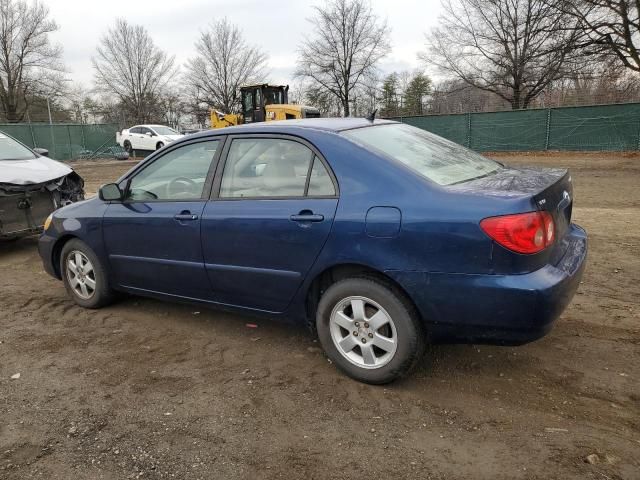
point(529, 232)
point(47, 222)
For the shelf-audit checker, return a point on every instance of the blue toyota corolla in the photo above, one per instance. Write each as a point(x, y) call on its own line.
point(381, 236)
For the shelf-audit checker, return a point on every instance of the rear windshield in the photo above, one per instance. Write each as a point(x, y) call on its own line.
point(12, 150)
point(437, 159)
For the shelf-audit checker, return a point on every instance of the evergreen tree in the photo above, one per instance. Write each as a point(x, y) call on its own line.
point(418, 88)
point(390, 96)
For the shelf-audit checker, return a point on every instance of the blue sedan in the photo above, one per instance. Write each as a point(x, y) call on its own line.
point(382, 237)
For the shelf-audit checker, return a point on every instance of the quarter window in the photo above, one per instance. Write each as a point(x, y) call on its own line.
point(320, 182)
point(178, 175)
point(266, 167)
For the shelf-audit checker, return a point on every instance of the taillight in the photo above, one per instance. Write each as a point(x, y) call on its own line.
point(523, 232)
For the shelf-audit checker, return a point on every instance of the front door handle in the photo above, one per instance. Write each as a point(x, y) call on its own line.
point(306, 217)
point(185, 216)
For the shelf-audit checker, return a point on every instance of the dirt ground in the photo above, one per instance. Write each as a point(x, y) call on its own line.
point(145, 389)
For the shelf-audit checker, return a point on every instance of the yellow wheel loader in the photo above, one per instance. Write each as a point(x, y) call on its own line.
point(263, 103)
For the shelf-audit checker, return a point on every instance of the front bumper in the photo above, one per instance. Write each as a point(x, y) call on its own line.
point(46, 244)
point(497, 309)
point(24, 208)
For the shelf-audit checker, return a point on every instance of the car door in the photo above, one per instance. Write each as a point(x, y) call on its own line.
point(134, 138)
point(152, 237)
point(270, 215)
point(146, 139)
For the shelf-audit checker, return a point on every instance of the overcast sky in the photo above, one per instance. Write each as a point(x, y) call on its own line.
point(277, 26)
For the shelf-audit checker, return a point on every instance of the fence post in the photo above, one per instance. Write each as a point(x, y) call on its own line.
point(69, 138)
point(469, 130)
point(33, 137)
point(546, 142)
point(84, 142)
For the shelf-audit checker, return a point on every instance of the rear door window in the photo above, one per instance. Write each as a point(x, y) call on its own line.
point(266, 167)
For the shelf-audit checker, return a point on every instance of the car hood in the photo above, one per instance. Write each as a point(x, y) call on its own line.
point(31, 171)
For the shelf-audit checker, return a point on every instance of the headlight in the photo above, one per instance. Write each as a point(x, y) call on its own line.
point(47, 222)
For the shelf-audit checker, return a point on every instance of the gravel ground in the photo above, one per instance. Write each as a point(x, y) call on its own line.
point(145, 389)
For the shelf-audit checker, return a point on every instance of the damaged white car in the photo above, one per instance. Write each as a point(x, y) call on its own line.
point(31, 187)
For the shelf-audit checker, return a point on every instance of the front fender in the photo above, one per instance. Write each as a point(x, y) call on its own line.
point(82, 220)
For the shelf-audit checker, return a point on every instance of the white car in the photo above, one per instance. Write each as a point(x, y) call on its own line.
point(146, 137)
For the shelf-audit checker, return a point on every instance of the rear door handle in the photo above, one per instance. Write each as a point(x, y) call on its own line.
point(306, 217)
point(182, 217)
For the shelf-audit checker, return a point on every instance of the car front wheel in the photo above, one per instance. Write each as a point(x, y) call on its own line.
point(369, 330)
point(83, 275)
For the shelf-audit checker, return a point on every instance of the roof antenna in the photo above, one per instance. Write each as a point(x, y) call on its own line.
point(372, 117)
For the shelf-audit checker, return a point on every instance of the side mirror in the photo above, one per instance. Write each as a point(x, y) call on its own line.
point(110, 193)
point(150, 134)
point(42, 151)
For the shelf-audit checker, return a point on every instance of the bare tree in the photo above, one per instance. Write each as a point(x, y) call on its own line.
point(512, 48)
point(223, 64)
point(607, 26)
point(29, 64)
point(129, 65)
point(348, 42)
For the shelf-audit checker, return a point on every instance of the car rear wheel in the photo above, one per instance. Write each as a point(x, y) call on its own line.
point(83, 275)
point(369, 330)
point(127, 147)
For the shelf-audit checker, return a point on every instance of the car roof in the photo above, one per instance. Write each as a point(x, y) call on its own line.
point(326, 124)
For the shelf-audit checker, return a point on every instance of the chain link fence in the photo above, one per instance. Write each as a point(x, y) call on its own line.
point(593, 128)
point(68, 141)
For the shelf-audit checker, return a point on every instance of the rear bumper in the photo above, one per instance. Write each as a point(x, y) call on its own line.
point(497, 309)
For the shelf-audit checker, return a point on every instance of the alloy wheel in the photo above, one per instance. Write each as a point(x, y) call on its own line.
point(363, 332)
point(81, 275)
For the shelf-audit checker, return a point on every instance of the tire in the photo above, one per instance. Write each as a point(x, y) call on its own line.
point(127, 146)
point(159, 145)
point(98, 295)
point(340, 304)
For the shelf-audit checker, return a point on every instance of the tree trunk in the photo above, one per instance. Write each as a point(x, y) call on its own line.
point(12, 113)
point(515, 100)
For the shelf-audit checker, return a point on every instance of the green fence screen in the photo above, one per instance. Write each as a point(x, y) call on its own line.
point(599, 128)
point(65, 141)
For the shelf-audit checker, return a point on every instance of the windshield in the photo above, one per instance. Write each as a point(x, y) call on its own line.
point(440, 160)
point(273, 96)
point(12, 150)
point(165, 131)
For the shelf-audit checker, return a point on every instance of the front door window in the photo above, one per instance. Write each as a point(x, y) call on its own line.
point(178, 175)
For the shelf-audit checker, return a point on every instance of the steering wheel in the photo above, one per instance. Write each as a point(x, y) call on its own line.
point(181, 185)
